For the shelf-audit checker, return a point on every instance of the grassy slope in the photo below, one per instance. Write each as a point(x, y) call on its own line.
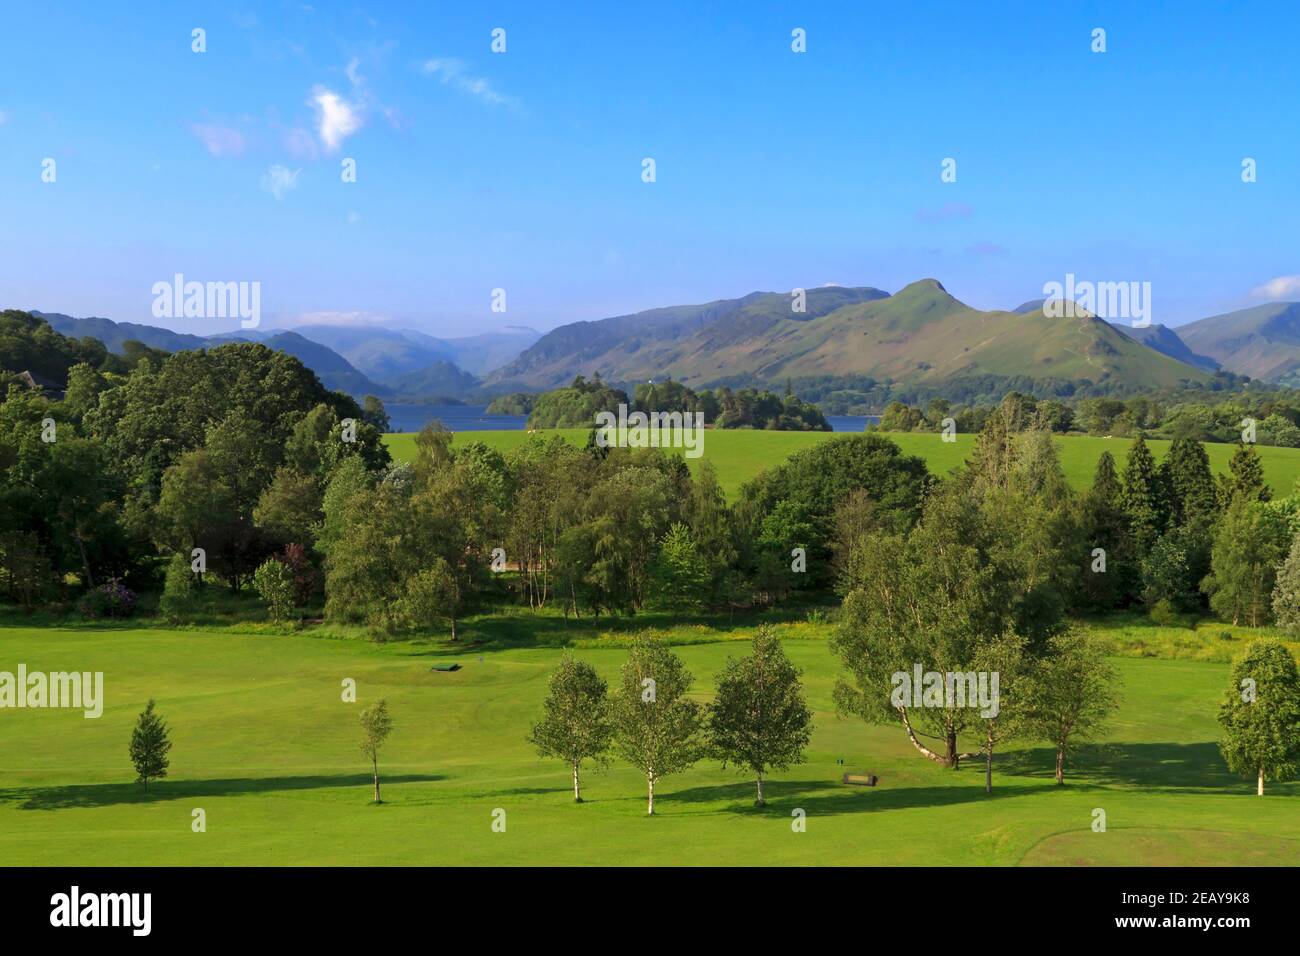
point(919, 334)
point(740, 455)
point(264, 745)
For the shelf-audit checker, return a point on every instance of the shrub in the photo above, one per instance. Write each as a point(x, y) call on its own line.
point(1165, 614)
point(108, 600)
point(273, 581)
point(306, 579)
point(177, 600)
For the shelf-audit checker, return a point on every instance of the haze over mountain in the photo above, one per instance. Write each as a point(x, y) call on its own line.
point(390, 363)
point(1167, 342)
point(1262, 342)
point(921, 334)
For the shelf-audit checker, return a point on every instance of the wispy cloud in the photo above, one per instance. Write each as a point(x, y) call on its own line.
point(452, 73)
point(1282, 287)
point(949, 210)
point(219, 140)
point(336, 118)
point(353, 72)
point(279, 180)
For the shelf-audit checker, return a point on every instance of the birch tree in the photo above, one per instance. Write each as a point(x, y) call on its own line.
point(656, 727)
point(575, 724)
point(759, 719)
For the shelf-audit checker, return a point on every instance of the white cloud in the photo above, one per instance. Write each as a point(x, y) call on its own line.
point(452, 72)
point(336, 118)
point(1280, 288)
point(219, 140)
point(354, 77)
point(278, 180)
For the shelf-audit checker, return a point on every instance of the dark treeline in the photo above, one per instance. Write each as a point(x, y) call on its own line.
point(576, 405)
point(864, 395)
point(1272, 415)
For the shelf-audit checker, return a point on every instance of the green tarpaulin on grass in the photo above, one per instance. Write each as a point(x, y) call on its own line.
point(445, 667)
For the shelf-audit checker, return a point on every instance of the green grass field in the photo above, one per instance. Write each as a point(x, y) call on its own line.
point(264, 744)
point(740, 454)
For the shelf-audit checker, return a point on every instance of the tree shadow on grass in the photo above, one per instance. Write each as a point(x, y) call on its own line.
point(1193, 767)
point(109, 794)
point(513, 626)
point(828, 798)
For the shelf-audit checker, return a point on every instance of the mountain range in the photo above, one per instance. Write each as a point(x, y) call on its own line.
point(919, 337)
point(370, 360)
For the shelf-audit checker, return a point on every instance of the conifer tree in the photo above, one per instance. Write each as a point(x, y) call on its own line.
point(1140, 497)
point(149, 746)
point(1246, 479)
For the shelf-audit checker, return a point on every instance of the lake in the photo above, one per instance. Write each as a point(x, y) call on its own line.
point(474, 418)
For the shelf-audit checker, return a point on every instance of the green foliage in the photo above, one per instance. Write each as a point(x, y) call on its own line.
point(516, 403)
point(1286, 590)
point(657, 728)
point(177, 601)
point(149, 746)
point(289, 508)
point(273, 581)
point(376, 725)
point(576, 405)
point(1191, 484)
point(1141, 497)
point(431, 597)
point(1248, 546)
point(1260, 714)
point(1070, 694)
point(1245, 479)
point(793, 504)
point(1173, 569)
point(935, 596)
point(759, 720)
point(575, 724)
point(681, 572)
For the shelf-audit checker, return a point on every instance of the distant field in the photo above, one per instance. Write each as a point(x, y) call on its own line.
point(740, 455)
point(264, 745)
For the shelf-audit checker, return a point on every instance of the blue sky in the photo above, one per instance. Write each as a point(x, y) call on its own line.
point(522, 170)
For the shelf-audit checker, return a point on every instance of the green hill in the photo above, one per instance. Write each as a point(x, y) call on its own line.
point(1262, 342)
point(919, 335)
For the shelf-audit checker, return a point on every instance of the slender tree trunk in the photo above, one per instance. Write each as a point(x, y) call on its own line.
point(1060, 765)
point(577, 797)
point(988, 766)
point(85, 565)
point(907, 725)
point(760, 801)
point(376, 766)
point(453, 627)
point(1259, 792)
point(953, 759)
point(650, 781)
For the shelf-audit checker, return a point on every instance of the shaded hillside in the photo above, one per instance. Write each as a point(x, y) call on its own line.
point(919, 335)
point(1262, 342)
point(1167, 342)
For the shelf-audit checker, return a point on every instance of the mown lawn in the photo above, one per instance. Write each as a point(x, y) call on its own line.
point(740, 454)
point(264, 744)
